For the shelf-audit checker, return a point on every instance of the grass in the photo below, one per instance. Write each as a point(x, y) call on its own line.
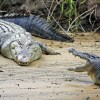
point(69, 9)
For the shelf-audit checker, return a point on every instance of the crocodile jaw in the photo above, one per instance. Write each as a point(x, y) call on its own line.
point(22, 60)
point(95, 75)
point(78, 54)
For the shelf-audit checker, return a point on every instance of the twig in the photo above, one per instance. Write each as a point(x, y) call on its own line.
point(96, 29)
point(51, 7)
point(94, 11)
point(55, 19)
point(82, 28)
point(2, 3)
point(91, 16)
point(1, 11)
point(83, 1)
point(55, 7)
point(59, 25)
point(79, 17)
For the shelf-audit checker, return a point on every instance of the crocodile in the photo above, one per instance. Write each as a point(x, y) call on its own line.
point(92, 66)
point(18, 44)
point(37, 26)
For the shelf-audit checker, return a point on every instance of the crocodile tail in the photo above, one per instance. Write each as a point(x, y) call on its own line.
point(37, 26)
point(82, 55)
point(47, 32)
point(59, 37)
point(44, 30)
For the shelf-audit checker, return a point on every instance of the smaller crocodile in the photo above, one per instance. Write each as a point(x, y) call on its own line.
point(92, 66)
point(37, 26)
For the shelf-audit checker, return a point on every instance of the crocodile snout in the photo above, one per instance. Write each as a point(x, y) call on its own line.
point(23, 60)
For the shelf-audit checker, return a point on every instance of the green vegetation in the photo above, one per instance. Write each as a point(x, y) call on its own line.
point(2, 2)
point(69, 8)
point(64, 11)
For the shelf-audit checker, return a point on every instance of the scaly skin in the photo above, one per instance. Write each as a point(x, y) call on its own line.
point(17, 44)
point(92, 67)
point(37, 26)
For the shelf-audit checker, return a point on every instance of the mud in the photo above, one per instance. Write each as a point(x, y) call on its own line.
point(48, 78)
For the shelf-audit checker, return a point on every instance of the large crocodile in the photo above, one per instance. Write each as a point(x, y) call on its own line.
point(37, 26)
point(92, 67)
point(18, 44)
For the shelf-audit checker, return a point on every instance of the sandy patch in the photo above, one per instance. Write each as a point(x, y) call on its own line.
point(48, 78)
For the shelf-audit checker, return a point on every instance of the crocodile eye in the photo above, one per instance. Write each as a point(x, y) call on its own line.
point(13, 46)
point(30, 43)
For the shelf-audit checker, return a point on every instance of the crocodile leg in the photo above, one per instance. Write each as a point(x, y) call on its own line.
point(47, 50)
point(81, 69)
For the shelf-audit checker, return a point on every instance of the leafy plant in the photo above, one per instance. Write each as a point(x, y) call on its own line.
point(70, 10)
